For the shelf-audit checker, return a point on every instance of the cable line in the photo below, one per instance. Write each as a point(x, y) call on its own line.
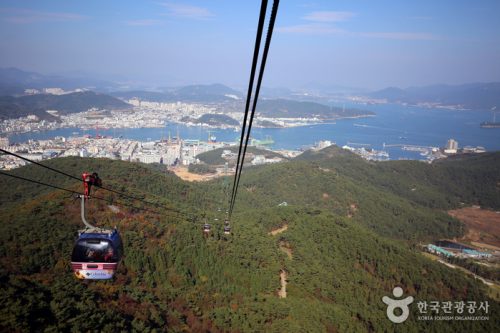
point(78, 178)
point(75, 192)
point(239, 166)
point(245, 133)
point(258, 39)
point(39, 164)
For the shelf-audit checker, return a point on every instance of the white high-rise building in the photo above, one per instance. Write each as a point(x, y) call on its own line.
point(4, 143)
point(451, 147)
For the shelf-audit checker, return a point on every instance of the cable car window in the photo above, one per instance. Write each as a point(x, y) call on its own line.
point(94, 250)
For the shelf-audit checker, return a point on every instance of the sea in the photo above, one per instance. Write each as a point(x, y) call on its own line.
point(392, 127)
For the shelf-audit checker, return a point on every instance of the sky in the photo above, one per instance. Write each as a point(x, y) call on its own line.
point(328, 44)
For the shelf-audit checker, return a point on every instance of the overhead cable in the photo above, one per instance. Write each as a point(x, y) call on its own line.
point(267, 44)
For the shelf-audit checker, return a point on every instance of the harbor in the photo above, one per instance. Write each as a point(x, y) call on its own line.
point(397, 126)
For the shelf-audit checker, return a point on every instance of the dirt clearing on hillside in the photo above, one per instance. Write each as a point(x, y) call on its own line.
point(482, 225)
point(274, 232)
point(184, 174)
point(285, 247)
point(282, 291)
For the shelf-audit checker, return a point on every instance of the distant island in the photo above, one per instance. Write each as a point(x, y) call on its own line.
point(473, 96)
point(228, 111)
point(285, 108)
point(212, 120)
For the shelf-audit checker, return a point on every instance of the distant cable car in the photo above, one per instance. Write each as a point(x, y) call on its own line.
point(97, 252)
point(227, 228)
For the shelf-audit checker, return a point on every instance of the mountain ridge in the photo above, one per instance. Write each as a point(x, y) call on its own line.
point(192, 93)
point(13, 81)
point(482, 96)
point(15, 107)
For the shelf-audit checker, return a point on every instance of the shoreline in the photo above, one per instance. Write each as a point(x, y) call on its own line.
point(325, 122)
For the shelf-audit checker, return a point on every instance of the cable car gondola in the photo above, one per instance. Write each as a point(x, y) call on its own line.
point(97, 252)
point(227, 227)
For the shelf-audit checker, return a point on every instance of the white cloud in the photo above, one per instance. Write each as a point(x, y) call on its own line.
point(328, 16)
point(23, 16)
point(325, 23)
point(311, 28)
point(187, 11)
point(400, 35)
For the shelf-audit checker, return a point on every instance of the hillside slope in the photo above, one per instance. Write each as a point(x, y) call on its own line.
point(172, 277)
point(471, 178)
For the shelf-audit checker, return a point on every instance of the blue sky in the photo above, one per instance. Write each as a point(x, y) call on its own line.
point(366, 44)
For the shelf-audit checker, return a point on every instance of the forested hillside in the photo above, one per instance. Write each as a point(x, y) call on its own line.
point(286, 108)
point(346, 241)
point(466, 179)
point(14, 107)
point(213, 157)
point(212, 119)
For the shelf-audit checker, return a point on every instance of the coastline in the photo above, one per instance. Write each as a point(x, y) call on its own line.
point(224, 127)
point(393, 125)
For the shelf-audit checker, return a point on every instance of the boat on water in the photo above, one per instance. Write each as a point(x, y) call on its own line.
point(265, 142)
point(490, 124)
point(211, 137)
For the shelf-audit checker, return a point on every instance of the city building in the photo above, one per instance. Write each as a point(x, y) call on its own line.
point(4, 143)
point(451, 147)
point(324, 144)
